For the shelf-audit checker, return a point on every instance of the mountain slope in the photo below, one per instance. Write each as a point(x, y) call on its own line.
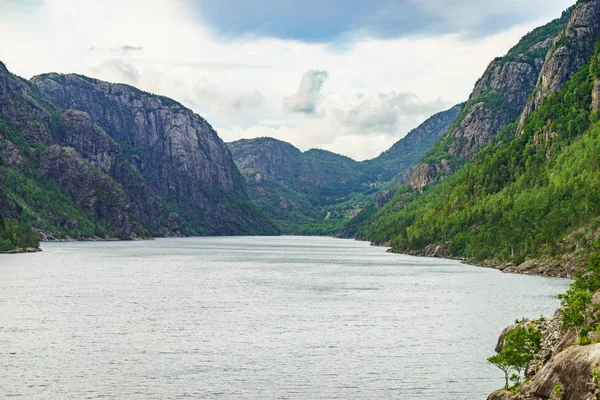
point(304, 193)
point(176, 152)
point(531, 194)
point(396, 163)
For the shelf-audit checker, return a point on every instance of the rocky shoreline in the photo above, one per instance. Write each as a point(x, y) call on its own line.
point(22, 251)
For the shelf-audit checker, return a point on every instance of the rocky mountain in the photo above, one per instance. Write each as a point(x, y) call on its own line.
point(178, 154)
point(497, 99)
point(66, 175)
point(317, 192)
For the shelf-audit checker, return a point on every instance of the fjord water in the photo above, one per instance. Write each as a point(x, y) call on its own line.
point(253, 318)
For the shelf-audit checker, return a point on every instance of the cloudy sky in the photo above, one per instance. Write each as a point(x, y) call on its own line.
point(343, 75)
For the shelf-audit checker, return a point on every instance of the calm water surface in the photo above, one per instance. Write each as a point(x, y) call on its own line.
point(253, 318)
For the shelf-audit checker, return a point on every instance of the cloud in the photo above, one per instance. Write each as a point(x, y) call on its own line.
point(239, 85)
point(127, 48)
point(119, 70)
point(307, 98)
point(385, 113)
point(320, 21)
point(237, 105)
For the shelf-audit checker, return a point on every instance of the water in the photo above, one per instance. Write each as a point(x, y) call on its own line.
point(253, 318)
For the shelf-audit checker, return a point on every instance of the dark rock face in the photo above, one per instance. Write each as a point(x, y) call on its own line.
point(177, 152)
point(498, 98)
point(571, 51)
point(18, 105)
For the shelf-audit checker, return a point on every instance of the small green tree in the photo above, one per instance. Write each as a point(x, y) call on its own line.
point(520, 347)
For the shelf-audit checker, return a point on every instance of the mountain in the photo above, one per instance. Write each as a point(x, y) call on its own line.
point(497, 99)
point(175, 151)
point(317, 192)
point(303, 193)
point(112, 162)
point(528, 200)
point(396, 163)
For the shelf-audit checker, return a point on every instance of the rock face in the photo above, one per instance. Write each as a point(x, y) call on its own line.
point(96, 146)
point(154, 160)
point(570, 51)
point(95, 192)
point(570, 368)
point(177, 152)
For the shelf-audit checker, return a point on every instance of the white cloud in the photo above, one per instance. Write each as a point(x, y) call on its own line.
point(386, 113)
point(309, 93)
point(239, 86)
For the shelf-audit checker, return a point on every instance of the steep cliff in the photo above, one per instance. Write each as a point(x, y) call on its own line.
point(571, 49)
point(176, 152)
point(35, 172)
point(65, 176)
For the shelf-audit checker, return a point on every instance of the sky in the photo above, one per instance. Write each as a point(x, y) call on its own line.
point(348, 76)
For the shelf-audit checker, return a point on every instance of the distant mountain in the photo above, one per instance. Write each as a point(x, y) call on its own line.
point(396, 163)
point(82, 158)
point(317, 192)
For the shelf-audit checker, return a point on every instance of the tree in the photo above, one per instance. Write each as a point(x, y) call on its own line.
point(520, 347)
point(501, 361)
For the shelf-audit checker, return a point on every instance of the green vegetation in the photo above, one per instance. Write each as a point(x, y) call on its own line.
point(558, 391)
point(28, 198)
point(520, 347)
point(579, 311)
point(520, 197)
point(295, 212)
point(14, 236)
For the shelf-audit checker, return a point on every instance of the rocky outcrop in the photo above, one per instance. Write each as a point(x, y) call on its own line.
point(570, 369)
point(572, 49)
point(177, 152)
point(21, 104)
point(498, 98)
